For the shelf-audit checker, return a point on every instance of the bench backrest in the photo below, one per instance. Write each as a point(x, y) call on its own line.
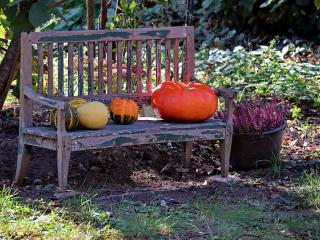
point(105, 64)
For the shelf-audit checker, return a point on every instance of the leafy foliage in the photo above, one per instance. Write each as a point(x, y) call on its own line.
point(264, 71)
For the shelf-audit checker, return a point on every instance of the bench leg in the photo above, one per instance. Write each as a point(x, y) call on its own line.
point(225, 149)
point(63, 159)
point(186, 154)
point(22, 162)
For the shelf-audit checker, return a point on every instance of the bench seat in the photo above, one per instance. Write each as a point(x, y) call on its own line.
point(143, 131)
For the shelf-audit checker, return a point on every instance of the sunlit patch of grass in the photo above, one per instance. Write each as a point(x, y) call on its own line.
point(152, 220)
point(311, 188)
point(25, 221)
point(234, 221)
point(82, 218)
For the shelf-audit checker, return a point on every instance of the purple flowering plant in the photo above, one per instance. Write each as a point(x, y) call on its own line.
point(257, 114)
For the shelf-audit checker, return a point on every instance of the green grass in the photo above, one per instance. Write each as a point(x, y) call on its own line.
point(40, 221)
point(81, 218)
point(311, 189)
point(276, 165)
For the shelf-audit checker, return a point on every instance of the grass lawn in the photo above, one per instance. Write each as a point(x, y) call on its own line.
point(214, 218)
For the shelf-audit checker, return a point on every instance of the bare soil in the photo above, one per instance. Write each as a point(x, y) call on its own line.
point(148, 172)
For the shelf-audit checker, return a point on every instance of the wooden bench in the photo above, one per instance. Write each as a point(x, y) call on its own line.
point(101, 65)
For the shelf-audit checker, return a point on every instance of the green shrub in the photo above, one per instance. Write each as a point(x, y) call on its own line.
point(264, 72)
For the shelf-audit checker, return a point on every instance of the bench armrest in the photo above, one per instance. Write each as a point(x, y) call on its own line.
point(49, 102)
point(226, 93)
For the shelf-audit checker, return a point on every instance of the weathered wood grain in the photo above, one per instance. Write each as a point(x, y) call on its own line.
point(168, 59)
point(189, 59)
point(80, 69)
point(158, 62)
point(225, 144)
point(90, 67)
point(141, 137)
point(40, 68)
point(149, 65)
point(22, 161)
point(129, 66)
point(70, 69)
point(38, 141)
point(151, 125)
point(186, 154)
point(63, 159)
point(139, 68)
point(63, 150)
point(142, 98)
point(26, 119)
point(109, 35)
point(49, 102)
point(60, 70)
point(50, 69)
point(176, 60)
point(109, 68)
point(119, 67)
point(100, 67)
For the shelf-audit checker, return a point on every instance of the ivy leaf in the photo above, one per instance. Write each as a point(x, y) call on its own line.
point(40, 12)
point(317, 4)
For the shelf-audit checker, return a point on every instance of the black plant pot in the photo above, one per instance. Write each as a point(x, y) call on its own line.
point(256, 150)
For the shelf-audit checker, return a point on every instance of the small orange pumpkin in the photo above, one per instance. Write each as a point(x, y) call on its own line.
point(123, 111)
point(180, 102)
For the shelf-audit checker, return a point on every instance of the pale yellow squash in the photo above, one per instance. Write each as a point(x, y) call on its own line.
point(93, 115)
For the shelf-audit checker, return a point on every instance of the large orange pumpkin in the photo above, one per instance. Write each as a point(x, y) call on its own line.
point(180, 102)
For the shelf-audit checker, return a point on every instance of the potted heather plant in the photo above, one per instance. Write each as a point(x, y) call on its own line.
point(258, 125)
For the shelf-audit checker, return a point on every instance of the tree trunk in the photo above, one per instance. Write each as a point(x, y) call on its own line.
point(90, 14)
point(9, 67)
point(103, 15)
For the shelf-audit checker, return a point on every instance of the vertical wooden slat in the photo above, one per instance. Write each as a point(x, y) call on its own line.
point(167, 68)
point(50, 69)
point(90, 67)
point(139, 67)
point(70, 69)
point(119, 67)
point(149, 65)
point(100, 67)
point(129, 65)
point(80, 69)
point(109, 67)
point(40, 68)
point(26, 119)
point(189, 64)
point(158, 62)
point(60, 70)
point(176, 60)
